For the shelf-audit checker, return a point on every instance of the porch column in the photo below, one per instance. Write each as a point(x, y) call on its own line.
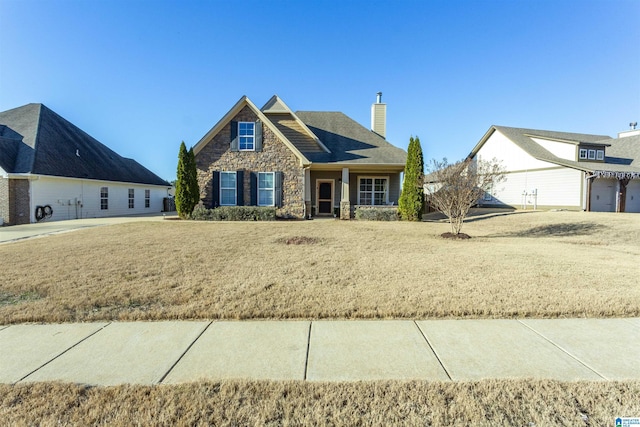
point(345, 203)
point(307, 192)
point(588, 204)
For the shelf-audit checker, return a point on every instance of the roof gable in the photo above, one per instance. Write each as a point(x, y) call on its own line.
point(523, 138)
point(292, 127)
point(246, 102)
point(50, 145)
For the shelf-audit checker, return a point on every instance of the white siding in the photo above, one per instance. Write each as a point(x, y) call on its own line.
point(603, 195)
point(76, 198)
point(632, 202)
point(554, 187)
point(560, 149)
point(513, 157)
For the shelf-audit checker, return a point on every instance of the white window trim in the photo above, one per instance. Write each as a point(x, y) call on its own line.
point(235, 189)
point(147, 198)
point(582, 155)
point(132, 198)
point(253, 137)
point(272, 189)
point(600, 155)
point(592, 154)
point(105, 198)
point(374, 177)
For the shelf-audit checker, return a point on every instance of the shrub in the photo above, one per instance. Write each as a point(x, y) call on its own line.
point(234, 213)
point(371, 213)
point(412, 197)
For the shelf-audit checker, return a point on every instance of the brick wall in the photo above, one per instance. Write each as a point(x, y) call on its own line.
point(14, 201)
point(274, 157)
point(4, 200)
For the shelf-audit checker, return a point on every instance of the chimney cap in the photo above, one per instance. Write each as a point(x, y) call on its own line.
point(379, 97)
point(633, 125)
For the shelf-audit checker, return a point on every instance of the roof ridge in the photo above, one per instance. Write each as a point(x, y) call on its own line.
point(35, 137)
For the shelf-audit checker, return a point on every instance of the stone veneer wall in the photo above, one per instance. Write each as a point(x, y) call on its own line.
point(274, 157)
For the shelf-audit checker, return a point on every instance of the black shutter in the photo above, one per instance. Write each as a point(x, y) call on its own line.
point(278, 189)
point(215, 190)
point(258, 145)
point(254, 189)
point(240, 188)
point(234, 136)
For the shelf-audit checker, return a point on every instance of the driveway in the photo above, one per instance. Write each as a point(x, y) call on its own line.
point(27, 231)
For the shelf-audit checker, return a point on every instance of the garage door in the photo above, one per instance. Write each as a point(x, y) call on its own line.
point(632, 202)
point(603, 195)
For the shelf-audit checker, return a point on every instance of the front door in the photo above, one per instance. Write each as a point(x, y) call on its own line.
point(325, 197)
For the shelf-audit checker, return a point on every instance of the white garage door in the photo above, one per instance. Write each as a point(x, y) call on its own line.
point(603, 195)
point(632, 202)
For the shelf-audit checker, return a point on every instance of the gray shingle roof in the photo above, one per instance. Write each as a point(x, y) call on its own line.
point(621, 154)
point(36, 140)
point(348, 141)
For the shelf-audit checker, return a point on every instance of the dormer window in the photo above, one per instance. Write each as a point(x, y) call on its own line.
point(583, 154)
point(591, 153)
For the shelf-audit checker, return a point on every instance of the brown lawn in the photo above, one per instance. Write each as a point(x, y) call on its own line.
point(485, 403)
point(526, 264)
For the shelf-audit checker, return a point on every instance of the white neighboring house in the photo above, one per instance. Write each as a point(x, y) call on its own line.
point(46, 160)
point(562, 170)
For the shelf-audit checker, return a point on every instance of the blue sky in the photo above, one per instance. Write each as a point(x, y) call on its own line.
point(141, 76)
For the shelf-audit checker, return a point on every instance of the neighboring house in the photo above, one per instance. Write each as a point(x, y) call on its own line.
point(563, 170)
point(46, 160)
point(304, 163)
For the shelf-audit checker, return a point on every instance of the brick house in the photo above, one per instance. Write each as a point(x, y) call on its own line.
point(46, 161)
point(305, 163)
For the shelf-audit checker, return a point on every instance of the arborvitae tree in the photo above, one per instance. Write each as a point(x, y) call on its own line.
point(187, 190)
point(411, 200)
point(194, 188)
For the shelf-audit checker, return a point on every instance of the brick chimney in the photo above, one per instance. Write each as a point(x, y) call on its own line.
point(379, 116)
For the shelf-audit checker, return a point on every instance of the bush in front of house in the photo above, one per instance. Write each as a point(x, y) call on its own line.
point(370, 213)
point(234, 213)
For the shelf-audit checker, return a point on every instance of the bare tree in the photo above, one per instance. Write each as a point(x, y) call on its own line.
point(453, 188)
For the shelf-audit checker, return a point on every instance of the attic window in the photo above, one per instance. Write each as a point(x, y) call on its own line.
point(600, 155)
point(246, 135)
point(592, 154)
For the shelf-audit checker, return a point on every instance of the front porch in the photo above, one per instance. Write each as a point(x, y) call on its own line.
point(330, 193)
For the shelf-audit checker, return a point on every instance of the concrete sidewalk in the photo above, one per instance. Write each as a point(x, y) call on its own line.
point(437, 350)
point(14, 233)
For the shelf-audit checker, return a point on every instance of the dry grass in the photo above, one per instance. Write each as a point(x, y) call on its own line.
point(485, 403)
point(543, 264)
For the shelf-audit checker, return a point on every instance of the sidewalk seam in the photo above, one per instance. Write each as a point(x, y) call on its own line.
point(433, 350)
point(563, 350)
point(306, 359)
point(183, 353)
point(65, 351)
